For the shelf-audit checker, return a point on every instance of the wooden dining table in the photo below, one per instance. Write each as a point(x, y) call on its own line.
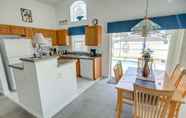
point(158, 80)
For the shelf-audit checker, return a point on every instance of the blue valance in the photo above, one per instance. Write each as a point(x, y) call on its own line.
point(166, 22)
point(78, 30)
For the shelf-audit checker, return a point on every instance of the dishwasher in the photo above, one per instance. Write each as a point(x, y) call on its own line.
point(86, 67)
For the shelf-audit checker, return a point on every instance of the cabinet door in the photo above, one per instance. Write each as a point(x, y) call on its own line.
point(78, 68)
point(62, 37)
point(29, 32)
point(54, 37)
point(90, 36)
point(93, 35)
point(97, 68)
point(4, 29)
point(17, 30)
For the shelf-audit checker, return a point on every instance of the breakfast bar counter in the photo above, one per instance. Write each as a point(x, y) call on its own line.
point(45, 85)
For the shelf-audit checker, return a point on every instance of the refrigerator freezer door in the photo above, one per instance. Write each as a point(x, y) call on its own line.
point(15, 48)
point(12, 50)
point(3, 82)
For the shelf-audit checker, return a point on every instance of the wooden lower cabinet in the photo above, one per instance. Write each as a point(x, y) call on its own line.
point(97, 68)
point(91, 68)
point(78, 68)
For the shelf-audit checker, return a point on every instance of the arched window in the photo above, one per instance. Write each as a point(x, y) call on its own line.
point(78, 11)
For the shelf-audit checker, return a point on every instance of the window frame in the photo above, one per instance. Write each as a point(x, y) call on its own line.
point(73, 6)
point(81, 40)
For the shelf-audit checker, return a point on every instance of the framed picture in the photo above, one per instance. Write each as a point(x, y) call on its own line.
point(26, 15)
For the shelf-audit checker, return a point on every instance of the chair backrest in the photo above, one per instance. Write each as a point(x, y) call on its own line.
point(118, 71)
point(181, 87)
point(176, 74)
point(150, 103)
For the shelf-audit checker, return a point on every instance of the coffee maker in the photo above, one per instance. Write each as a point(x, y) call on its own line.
point(92, 52)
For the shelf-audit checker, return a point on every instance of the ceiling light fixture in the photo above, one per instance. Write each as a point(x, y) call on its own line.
point(146, 26)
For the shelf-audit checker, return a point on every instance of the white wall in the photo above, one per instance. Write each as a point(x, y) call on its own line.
point(114, 10)
point(43, 15)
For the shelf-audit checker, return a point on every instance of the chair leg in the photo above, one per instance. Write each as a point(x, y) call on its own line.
point(119, 104)
point(174, 109)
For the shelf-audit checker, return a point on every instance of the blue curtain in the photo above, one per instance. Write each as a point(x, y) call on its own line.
point(78, 30)
point(166, 22)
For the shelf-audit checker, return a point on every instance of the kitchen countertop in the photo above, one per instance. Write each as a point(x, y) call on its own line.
point(76, 56)
point(33, 59)
point(18, 66)
point(60, 61)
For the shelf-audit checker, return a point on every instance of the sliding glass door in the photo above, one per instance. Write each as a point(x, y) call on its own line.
point(127, 48)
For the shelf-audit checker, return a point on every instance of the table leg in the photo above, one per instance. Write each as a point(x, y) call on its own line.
point(119, 103)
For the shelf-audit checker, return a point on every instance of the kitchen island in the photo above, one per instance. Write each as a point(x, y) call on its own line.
point(45, 85)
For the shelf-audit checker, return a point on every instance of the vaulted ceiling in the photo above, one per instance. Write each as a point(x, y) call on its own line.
point(50, 1)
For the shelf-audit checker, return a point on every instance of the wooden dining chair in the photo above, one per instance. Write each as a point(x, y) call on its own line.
point(181, 88)
point(176, 74)
point(118, 71)
point(151, 103)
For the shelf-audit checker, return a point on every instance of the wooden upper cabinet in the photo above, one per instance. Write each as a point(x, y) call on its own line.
point(4, 29)
point(17, 30)
point(28, 32)
point(53, 36)
point(62, 37)
point(93, 35)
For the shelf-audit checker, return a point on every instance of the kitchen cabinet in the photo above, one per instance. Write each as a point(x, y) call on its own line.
point(91, 68)
point(97, 68)
point(4, 29)
point(28, 33)
point(54, 37)
point(62, 37)
point(47, 33)
point(17, 30)
point(78, 68)
point(93, 35)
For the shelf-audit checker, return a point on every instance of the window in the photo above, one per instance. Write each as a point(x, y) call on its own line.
point(78, 11)
point(78, 43)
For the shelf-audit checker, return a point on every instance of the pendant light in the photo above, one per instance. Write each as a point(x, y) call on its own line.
point(146, 26)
